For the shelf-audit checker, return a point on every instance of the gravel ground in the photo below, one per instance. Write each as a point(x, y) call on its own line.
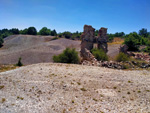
point(66, 88)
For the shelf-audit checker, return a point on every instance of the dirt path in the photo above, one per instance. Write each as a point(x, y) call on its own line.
point(64, 88)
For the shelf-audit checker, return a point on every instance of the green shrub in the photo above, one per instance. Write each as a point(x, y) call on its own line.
point(132, 41)
point(122, 57)
point(68, 56)
point(19, 62)
point(99, 54)
point(55, 38)
point(147, 49)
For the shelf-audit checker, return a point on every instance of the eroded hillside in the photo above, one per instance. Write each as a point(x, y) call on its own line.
point(33, 49)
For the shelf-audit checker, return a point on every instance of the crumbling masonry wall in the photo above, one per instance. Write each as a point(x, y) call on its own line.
point(87, 41)
point(102, 39)
point(88, 37)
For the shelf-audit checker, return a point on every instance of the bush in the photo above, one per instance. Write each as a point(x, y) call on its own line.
point(68, 56)
point(147, 49)
point(99, 54)
point(122, 57)
point(19, 63)
point(132, 41)
point(55, 38)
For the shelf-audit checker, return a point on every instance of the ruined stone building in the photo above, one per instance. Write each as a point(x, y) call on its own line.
point(88, 38)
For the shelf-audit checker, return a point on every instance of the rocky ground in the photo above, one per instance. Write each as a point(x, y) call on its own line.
point(65, 88)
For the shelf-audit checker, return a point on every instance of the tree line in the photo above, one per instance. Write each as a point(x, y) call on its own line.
point(132, 40)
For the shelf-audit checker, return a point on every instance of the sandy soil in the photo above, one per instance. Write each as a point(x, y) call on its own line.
point(65, 88)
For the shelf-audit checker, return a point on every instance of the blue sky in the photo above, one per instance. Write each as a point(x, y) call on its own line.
point(72, 15)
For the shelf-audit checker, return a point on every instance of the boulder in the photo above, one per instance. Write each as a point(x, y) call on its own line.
point(123, 49)
point(87, 55)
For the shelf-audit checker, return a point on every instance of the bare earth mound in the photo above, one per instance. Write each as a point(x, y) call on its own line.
point(33, 49)
point(57, 88)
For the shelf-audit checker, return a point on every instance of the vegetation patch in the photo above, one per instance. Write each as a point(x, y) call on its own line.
point(55, 38)
point(122, 57)
point(19, 63)
point(3, 100)
point(68, 56)
point(4, 68)
point(99, 54)
point(83, 89)
point(1, 87)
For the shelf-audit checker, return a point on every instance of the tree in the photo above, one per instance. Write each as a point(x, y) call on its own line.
point(67, 34)
point(96, 33)
point(19, 62)
point(132, 41)
point(68, 56)
point(25, 31)
point(54, 33)
point(75, 35)
point(14, 31)
point(119, 34)
point(143, 32)
point(1, 41)
point(45, 31)
point(32, 31)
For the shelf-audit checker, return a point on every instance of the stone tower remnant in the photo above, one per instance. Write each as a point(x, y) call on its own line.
point(88, 37)
point(102, 39)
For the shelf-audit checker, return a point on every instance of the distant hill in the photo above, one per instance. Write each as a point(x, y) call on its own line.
point(33, 49)
point(39, 49)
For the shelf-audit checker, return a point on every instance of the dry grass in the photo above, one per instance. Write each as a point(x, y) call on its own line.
point(4, 68)
point(116, 41)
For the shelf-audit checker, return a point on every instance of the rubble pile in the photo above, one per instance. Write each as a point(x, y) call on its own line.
point(108, 64)
point(142, 57)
